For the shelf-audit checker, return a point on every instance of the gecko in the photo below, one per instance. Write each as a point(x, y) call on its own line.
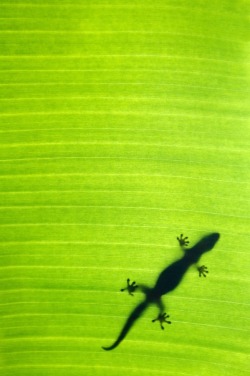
point(167, 281)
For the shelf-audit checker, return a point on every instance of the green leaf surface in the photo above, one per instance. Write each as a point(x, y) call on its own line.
point(123, 125)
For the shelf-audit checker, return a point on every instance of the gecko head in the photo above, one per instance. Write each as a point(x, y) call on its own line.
point(203, 246)
point(209, 241)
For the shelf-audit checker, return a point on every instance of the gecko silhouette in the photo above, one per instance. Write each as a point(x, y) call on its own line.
point(167, 281)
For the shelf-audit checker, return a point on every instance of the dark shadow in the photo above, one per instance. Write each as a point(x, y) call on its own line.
point(167, 281)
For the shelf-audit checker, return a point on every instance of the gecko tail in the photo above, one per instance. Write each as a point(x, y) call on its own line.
point(111, 347)
point(136, 313)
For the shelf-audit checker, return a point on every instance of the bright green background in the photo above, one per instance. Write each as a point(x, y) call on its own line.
point(123, 124)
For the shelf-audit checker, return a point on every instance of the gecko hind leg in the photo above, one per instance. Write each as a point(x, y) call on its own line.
point(131, 287)
point(162, 317)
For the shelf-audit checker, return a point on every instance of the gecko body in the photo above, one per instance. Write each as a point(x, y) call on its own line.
point(167, 281)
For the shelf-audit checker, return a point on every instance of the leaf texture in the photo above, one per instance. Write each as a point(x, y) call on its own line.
point(123, 124)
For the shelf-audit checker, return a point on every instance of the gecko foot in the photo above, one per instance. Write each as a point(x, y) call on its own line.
point(202, 270)
point(183, 241)
point(131, 287)
point(162, 317)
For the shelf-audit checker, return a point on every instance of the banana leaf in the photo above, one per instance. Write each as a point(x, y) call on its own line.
point(123, 124)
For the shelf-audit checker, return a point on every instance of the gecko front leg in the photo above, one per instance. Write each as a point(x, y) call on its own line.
point(183, 241)
point(202, 270)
